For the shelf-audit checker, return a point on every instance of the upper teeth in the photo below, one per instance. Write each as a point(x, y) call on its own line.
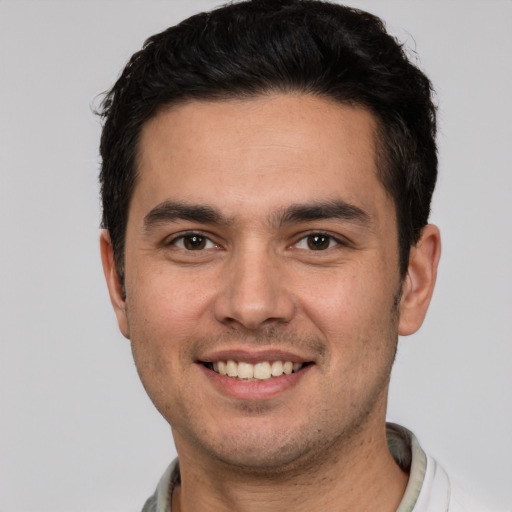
point(260, 371)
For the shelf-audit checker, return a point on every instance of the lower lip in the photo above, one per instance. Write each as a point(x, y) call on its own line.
point(254, 390)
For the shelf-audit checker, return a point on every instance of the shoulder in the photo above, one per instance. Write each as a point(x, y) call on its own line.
point(430, 489)
point(150, 505)
point(462, 501)
point(448, 494)
point(160, 501)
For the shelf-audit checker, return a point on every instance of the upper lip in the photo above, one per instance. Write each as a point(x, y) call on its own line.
point(252, 356)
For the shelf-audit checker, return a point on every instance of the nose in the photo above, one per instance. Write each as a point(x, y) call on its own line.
point(253, 292)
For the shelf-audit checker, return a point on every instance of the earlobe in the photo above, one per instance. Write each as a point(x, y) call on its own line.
point(115, 288)
point(418, 285)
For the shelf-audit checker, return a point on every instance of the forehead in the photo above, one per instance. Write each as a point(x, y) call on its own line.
point(261, 152)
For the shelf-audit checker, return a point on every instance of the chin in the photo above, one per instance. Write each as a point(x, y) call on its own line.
point(265, 450)
point(262, 460)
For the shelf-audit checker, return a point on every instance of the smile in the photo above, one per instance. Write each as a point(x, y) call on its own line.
point(264, 370)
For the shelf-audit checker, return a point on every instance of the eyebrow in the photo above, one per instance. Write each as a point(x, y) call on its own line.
point(170, 211)
point(335, 209)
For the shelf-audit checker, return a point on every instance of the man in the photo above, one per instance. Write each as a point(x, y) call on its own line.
point(266, 181)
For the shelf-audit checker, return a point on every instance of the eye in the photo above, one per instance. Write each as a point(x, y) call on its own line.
point(193, 242)
point(317, 242)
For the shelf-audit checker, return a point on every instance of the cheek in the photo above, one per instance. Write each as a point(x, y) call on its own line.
point(352, 309)
point(344, 297)
point(168, 301)
point(163, 314)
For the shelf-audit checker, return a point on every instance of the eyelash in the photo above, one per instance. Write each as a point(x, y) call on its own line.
point(190, 235)
point(332, 241)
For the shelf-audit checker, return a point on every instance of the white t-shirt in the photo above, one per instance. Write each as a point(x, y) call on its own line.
point(429, 488)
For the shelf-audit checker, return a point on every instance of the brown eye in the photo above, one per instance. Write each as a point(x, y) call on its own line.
point(194, 242)
point(318, 242)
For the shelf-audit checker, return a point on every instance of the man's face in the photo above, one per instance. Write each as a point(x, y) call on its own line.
point(259, 233)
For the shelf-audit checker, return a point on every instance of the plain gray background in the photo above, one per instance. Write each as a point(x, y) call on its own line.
point(77, 432)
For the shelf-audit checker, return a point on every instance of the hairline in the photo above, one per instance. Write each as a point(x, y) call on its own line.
point(380, 150)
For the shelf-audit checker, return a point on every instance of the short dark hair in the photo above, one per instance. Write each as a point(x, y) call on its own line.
point(250, 48)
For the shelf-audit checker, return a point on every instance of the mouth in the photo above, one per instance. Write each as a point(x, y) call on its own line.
point(260, 371)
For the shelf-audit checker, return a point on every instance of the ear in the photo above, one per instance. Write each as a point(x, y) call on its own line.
point(115, 288)
point(419, 282)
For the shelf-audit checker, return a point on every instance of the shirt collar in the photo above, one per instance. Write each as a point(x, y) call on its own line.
point(403, 445)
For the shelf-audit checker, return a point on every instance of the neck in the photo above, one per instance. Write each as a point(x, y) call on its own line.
point(356, 475)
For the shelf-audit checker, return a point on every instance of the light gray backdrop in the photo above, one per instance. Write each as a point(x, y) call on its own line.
point(77, 433)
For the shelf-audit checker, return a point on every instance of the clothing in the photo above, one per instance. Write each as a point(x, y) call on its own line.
point(429, 489)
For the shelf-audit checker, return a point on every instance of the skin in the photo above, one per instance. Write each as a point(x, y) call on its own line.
point(257, 283)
